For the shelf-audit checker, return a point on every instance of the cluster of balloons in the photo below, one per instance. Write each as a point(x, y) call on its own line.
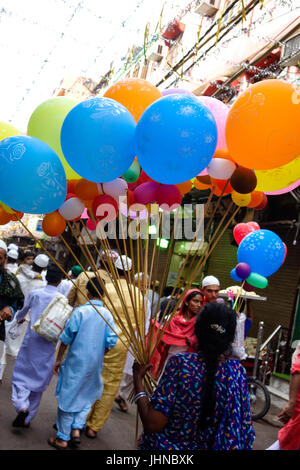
point(260, 254)
point(160, 143)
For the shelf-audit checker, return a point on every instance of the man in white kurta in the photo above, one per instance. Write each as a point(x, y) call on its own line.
point(32, 372)
point(80, 383)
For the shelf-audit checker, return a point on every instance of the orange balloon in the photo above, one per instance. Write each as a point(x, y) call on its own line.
point(86, 190)
point(19, 214)
point(256, 198)
point(53, 224)
point(199, 185)
point(71, 186)
point(5, 217)
point(88, 204)
point(185, 187)
point(135, 94)
point(262, 127)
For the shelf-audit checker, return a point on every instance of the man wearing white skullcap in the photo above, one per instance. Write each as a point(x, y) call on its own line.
point(210, 289)
point(12, 246)
point(12, 257)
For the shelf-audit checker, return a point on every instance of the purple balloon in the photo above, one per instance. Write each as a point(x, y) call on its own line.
point(176, 91)
point(243, 270)
point(247, 287)
point(145, 193)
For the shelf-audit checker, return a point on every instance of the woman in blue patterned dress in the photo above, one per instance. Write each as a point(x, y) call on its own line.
point(201, 402)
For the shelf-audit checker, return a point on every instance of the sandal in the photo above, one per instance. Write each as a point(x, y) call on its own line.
point(75, 439)
point(52, 441)
point(122, 404)
point(19, 421)
point(87, 429)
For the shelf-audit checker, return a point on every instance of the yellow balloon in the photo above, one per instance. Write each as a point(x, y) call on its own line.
point(278, 178)
point(6, 130)
point(241, 200)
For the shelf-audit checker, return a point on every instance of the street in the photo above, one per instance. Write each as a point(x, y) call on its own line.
point(118, 432)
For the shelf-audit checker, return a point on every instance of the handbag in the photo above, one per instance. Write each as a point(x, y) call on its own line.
point(53, 320)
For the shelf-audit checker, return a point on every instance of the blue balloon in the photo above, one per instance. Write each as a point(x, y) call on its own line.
point(97, 139)
point(176, 138)
point(234, 276)
point(33, 179)
point(263, 250)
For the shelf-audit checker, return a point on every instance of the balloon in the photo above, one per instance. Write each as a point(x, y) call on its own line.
point(71, 185)
point(284, 190)
point(168, 196)
point(132, 174)
point(5, 217)
point(185, 187)
point(263, 204)
point(243, 270)
point(234, 276)
point(263, 124)
point(45, 123)
point(17, 215)
point(257, 280)
point(223, 153)
point(135, 94)
point(224, 186)
point(116, 188)
point(105, 206)
point(243, 229)
point(278, 178)
point(285, 252)
point(220, 168)
point(263, 250)
point(71, 209)
point(220, 112)
point(6, 130)
point(243, 180)
point(247, 287)
point(85, 214)
point(53, 224)
point(86, 190)
point(175, 139)
point(90, 224)
point(176, 91)
point(33, 179)
point(256, 198)
point(146, 193)
point(241, 200)
point(97, 139)
point(201, 186)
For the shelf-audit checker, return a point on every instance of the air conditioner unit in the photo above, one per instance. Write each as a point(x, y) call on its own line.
point(290, 54)
point(159, 53)
point(208, 7)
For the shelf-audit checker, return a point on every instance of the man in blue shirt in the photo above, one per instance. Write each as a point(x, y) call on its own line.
point(89, 333)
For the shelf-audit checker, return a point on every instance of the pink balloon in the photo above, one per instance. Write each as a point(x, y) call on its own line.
point(220, 112)
point(145, 193)
point(168, 196)
point(284, 190)
point(90, 224)
point(203, 172)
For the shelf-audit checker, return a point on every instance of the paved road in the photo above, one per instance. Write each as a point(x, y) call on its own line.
point(118, 432)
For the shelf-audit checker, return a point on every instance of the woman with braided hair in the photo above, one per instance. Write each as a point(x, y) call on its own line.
point(201, 402)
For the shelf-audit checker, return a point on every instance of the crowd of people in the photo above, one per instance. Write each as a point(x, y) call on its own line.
point(201, 400)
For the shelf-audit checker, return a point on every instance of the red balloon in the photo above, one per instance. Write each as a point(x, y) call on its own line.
point(168, 196)
point(90, 224)
point(146, 193)
point(143, 178)
point(241, 230)
point(105, 206)
point(285, 252)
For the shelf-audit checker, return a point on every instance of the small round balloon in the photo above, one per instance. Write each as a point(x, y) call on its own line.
point(220, 112)
point(243, 270)
point(146, 193)
point(36, 173)
point(220, 168)
point(135, 94)
point(243, 180)
point(241, 200)
point(72, 208)
point(234, 276)
point(168, 196)
point(263, 124)
point(132, 174)
point(86, 190)
point(175, 139)
point(116, 188)
point(54, 224)
point(263, 251)
point(97, 139)
point(45, 123)
point(256, 280)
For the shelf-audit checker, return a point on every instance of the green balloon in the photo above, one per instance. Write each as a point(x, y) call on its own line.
point(256, 280)
point(45, 124)
point(132, 174)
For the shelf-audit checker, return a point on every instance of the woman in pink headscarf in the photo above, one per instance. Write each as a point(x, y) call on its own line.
point(179, 335)
point(289, 435)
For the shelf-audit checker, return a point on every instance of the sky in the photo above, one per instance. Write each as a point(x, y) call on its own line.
point(42, 42)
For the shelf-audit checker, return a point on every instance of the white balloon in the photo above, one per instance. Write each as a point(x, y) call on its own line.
point(220, 168)
point(72, 208)
point(115, 188)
